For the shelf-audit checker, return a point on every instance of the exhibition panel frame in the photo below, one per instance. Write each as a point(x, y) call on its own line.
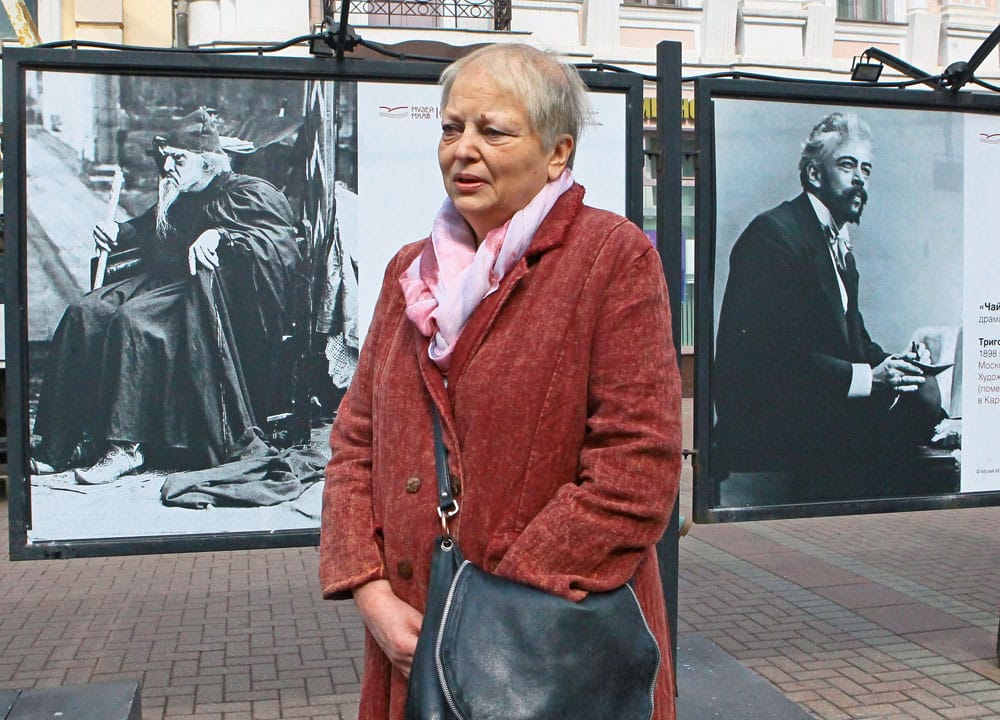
point(784, 423)
point(351, 144)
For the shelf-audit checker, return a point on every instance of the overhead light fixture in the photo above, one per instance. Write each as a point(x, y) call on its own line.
point(863, 70)
point(868, 66)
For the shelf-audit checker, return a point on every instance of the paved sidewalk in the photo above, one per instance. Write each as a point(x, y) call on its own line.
point(877, 616)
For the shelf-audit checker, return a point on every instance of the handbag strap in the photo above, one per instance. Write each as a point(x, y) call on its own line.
point(447, 504)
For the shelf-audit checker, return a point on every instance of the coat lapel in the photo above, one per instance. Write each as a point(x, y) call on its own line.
point(818, 248)
point(430, 374)
point(482, 320)
point(550, 234)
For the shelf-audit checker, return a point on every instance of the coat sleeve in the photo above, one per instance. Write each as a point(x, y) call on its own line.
point(592, 534)
point(350, 549)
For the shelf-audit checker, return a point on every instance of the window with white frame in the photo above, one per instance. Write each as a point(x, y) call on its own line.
point(870, 10)
point(654, 3)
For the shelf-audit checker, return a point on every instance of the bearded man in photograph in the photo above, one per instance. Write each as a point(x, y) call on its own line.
point(799, 385)
point(176, 364)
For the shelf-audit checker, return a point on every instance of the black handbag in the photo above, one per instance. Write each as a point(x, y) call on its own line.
point(493, 649)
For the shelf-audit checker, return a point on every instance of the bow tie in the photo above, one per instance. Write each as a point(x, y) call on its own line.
point(840, 246)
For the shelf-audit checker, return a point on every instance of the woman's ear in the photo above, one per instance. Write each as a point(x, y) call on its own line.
point(560, 156)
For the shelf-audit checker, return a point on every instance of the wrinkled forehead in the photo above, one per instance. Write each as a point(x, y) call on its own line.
point(852, 146)
point(163, 149)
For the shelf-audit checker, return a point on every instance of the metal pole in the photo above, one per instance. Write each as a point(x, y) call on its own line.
point(22, 22)
point(181, 17)
point(668, 239)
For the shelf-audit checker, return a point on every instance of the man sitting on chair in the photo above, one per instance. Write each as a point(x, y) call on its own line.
point(176, 364)
point(799, 384)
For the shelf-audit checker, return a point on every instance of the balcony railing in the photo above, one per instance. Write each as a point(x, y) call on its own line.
point(433, 13)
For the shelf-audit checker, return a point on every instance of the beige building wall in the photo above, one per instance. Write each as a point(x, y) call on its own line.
point(801, 38)
point(100, 20)
point(148, 22)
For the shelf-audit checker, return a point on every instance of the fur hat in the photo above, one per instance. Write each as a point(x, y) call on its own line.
point(195, 132)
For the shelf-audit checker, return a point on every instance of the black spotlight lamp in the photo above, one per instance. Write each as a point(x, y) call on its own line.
point(864, 70)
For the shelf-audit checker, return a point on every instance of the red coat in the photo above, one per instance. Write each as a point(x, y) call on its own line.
point(562, 420)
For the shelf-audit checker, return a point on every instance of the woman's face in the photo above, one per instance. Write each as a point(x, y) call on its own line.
point(492, 160)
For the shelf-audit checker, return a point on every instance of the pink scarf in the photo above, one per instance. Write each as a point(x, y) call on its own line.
point(450, 277)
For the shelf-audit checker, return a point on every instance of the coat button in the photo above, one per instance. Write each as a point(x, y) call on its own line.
point(404, 570)
point(412, 484)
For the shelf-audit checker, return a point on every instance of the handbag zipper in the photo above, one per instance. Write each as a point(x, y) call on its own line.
point(656, 671)
point(442, 681)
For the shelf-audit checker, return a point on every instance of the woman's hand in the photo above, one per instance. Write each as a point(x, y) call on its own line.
point(393, 623)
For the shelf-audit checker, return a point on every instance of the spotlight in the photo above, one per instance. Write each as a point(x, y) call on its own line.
point(865, 71)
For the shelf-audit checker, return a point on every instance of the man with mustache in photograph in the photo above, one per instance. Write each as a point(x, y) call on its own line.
point(175, 366)
point(803, 396)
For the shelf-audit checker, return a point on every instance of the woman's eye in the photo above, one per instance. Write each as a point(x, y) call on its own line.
point(450, 131)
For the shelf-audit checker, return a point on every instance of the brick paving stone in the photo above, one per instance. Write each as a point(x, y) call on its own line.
point(984, 697)
point(849, 687)
point(885, 698)
point(966, 712)
point(926, 698)
point(858, 675)
point(917, 711)
point(873, 710)
point(828, 711)
point(809, 686)
point(900, 686)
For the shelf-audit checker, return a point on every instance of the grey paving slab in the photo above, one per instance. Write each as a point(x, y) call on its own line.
point(7, 699)
point(713, 684)
point(96, 701)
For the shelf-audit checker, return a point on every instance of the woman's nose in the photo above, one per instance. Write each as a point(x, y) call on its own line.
point(467, 144)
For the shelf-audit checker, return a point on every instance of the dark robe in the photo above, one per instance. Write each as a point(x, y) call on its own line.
point(186, 365)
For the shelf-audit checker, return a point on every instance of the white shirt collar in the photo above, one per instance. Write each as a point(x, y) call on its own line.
point(825, 218)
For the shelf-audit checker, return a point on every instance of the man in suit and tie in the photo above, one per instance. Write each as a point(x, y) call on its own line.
point(801, 390)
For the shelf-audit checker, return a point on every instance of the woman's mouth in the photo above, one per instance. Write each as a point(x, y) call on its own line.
point(467, 183)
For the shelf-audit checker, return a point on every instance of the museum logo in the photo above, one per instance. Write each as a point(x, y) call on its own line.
point(409, 112)
point(990, 138)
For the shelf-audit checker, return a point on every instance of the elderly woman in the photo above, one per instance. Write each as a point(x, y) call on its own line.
point(540, 329)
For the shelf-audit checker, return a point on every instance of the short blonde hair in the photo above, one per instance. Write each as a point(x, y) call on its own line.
point(552, 91)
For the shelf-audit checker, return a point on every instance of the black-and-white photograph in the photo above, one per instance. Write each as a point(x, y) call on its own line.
point(837, 303)
point(192, 288)
point(198, 243)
